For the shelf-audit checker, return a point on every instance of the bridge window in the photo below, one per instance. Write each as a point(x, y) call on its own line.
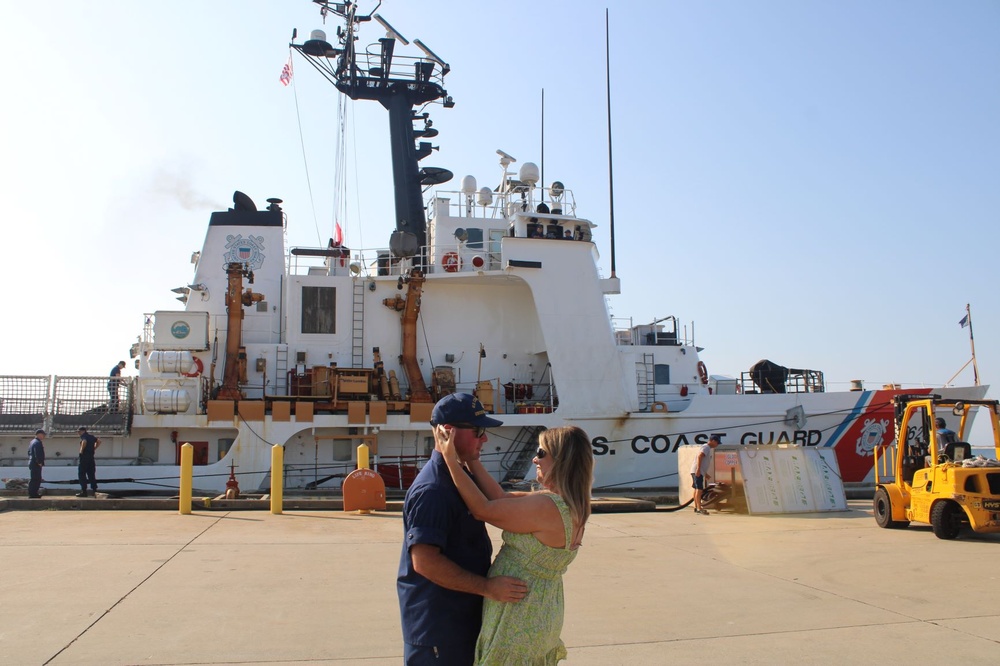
point(344, 448)
point(475, 239)
point(319, 310)
point(224, 444)
point(149, 450)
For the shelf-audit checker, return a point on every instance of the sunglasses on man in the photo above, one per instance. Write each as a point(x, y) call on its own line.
point(478, 431)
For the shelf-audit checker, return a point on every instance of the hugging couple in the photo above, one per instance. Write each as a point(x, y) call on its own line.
point(458, 608)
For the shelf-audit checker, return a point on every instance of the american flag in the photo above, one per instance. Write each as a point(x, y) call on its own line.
point(286, 72)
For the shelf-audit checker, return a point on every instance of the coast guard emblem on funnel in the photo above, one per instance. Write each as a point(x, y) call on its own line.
point(249, 250)
point(872, 435)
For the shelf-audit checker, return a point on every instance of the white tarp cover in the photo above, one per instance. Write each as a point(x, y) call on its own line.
point(774, 479)
point(791, 480)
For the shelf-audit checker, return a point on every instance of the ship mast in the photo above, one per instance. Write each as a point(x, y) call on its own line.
point(400, 84)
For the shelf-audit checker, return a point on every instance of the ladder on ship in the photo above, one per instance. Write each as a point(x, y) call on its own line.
point(280, 370)
point(358, 325)
point(522, 450)
point(646, 382)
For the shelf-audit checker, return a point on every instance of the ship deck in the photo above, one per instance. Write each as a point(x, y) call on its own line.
point(649, 587)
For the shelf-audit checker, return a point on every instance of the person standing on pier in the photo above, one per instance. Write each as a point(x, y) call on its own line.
point(699, 472)
point(446, 551)
point(88, 467)
point(36, 461)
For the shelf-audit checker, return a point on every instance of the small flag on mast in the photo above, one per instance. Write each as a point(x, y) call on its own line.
point(338, 235)
point(286, 72)
point(964, 322)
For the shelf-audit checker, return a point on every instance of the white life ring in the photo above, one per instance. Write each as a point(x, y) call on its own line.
point(702, 373)
point(451, 262)
point(199, 368)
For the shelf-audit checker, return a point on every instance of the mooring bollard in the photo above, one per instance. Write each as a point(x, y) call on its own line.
point(277, 477)
point(186, 481)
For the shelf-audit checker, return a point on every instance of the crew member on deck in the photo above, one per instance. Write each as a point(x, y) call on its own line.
point(113, 384)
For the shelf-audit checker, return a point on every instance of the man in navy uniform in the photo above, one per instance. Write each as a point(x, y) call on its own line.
point(88, 467)
point(447, 552)
point(36, 461)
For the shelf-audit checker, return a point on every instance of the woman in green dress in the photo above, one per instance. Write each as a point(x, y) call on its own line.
point(542, 532)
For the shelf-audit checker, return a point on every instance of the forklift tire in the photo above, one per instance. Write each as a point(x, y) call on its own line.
point(882, 507)
point(946, 519)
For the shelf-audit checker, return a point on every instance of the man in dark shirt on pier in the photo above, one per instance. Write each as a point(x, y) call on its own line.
point(88, 467)
point(36, 461)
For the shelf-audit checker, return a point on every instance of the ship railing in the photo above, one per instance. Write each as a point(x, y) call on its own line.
point(72, 461)
point(401, 67)
point(503, 205)
point(24, 403)
point(100, 404)
point(628, 333)
point(795, 381)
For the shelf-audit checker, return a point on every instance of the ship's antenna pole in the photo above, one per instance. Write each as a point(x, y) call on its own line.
point(611, 177)
point(543, 145)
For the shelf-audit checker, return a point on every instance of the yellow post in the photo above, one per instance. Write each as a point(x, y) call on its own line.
point(187, 466)
point(363, 456)
point(277, 477)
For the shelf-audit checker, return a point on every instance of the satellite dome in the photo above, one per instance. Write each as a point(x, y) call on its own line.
point(528, 173)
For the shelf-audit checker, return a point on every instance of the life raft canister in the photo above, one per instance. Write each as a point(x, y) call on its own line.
point(702, 372)
point(451, 262)
point(199, 368)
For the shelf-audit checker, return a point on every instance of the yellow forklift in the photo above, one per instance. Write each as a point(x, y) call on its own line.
point(930, 476)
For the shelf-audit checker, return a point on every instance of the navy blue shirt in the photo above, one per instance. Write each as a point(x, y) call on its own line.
point(434, 514)
point(36, 453)
point(89, 447)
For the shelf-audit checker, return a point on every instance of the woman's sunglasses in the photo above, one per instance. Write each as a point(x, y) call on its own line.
point(541, 453)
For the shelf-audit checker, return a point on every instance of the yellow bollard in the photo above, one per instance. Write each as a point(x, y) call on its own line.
point(277, 477)
point(363, 456)
point(187, 463)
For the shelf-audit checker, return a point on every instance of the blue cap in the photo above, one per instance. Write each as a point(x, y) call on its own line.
point(461, 408)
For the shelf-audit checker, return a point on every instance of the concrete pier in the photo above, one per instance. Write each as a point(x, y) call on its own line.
point(649, 587)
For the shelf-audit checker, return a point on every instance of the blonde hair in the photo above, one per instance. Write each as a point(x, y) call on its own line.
point(572, 473)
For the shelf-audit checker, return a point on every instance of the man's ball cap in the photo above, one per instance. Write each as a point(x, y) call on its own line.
point(461, 408)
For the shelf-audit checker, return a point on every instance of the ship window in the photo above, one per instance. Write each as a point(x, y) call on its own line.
point(224, 444)
point(661, 373)
point(496, 236)
point(149, 450)
point(342, 449)
point(318, 310)
point(475, 239)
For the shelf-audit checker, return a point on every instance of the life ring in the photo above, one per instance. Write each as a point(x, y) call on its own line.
point(451, 262)
point(199, 368)
point(702, 372)
point(659, 407)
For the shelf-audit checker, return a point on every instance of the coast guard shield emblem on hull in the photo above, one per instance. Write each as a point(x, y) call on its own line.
point(872, 435)
point(249, 250)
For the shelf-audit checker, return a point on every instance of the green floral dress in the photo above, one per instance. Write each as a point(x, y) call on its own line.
point(527, 632)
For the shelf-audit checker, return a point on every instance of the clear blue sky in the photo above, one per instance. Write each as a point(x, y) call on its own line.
point(807, 181)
